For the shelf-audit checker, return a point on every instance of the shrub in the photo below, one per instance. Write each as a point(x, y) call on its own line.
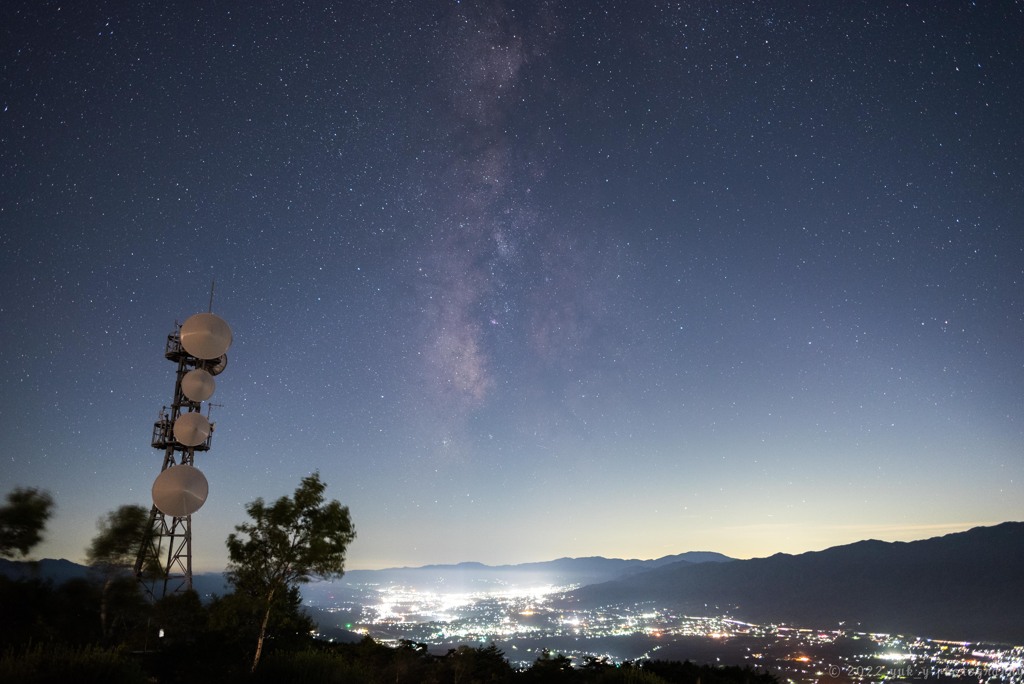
point(54, 664)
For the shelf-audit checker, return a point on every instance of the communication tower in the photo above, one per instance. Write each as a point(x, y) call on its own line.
point(199, 348)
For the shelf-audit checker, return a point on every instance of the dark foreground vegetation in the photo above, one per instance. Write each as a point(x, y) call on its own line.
point(100, 631)
point(103, 629)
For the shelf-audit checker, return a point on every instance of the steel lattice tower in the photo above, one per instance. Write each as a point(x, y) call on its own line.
point(164, 562)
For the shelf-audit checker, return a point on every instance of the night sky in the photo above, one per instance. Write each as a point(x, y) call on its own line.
point(523, 280)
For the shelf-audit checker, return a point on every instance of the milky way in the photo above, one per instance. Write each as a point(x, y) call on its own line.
point(524, 280)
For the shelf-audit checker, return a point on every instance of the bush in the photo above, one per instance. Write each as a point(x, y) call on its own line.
point(61, 664)
point(308, 666)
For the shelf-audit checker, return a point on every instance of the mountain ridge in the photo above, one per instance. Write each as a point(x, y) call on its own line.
point(692, 556)
point(474, 577)
point(567, 569)
point(964, 585)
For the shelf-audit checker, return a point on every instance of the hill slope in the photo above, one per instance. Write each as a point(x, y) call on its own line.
point(968, 585)
point(476, 577)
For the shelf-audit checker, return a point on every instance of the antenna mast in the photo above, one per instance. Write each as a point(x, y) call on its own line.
point(199, 348)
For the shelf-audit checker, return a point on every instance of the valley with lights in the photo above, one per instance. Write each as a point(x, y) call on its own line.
point(526, 621)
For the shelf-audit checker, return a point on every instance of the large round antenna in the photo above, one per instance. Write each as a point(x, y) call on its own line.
point(180, 491)
point(191, 429)
point(198, 385)
point(205, 336)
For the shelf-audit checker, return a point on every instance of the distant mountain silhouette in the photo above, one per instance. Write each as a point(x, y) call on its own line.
point(60, 571)
point(964, 586)
point(210, 584)
point(476, 576)
point(54, 570)
point(460, 576)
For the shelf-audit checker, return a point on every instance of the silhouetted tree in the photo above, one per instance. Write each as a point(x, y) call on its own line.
point(550, 667)
point(70, 613)
point(690, 673)
point(235, 621)
point(23, 520)
point(483, 665)
point(592, 663)
point(34, 611)
point(181, 618)
point(127, 612)
point(626, 673)
point(114, 549)
point(26, 605)
point(290, 542)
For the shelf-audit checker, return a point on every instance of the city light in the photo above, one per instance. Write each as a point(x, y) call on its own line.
point(522, 619)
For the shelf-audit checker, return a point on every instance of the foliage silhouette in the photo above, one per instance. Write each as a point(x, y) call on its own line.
point(120, 535)
point(478, 665)
point(551, 667)
point(82, 665)
point(690, 673)
point(23, 519)
point(290, 542)
point(209, 643)
point(113, 552)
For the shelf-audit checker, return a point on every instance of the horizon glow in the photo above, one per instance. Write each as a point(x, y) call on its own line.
point(524, 281)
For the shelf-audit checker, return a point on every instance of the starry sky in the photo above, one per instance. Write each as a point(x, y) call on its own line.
point(523, 280)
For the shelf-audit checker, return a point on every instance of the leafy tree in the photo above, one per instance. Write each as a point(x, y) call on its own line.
point(127, 612)
point(235, 621)
point(182, 619)
point(483, 665)
point(120, 533)
point(23, 520)
point(690, 673)
point(292, 541)
point(114, 549)
point(550, 667)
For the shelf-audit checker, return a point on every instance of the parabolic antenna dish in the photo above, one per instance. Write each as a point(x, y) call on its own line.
point(216, 366)
point(198, 385)
point(180, 491)
point(191, 429)
point(205, 336)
